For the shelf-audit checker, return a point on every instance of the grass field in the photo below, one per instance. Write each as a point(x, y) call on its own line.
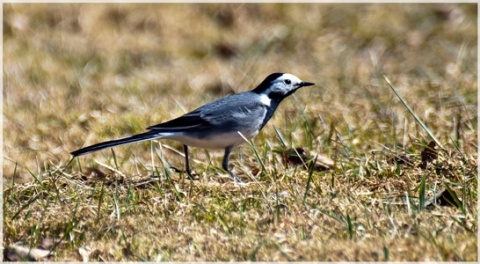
point(78, 74)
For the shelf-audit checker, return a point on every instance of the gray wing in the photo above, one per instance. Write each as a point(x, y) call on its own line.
point(192, 120)
point(228, 112)
point(233, 111)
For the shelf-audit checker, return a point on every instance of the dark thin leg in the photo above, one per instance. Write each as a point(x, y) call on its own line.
point(225, 164)
point(187, 163)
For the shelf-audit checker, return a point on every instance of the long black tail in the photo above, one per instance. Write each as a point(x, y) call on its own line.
point(108, 144)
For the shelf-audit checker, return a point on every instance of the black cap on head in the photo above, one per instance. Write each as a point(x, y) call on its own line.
point(266, 83)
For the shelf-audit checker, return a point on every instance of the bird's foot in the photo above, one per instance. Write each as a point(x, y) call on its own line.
point(188, 172)
point(235, 177)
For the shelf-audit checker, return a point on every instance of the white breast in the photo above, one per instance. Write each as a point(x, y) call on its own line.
point(219, 141)
point(265, 100)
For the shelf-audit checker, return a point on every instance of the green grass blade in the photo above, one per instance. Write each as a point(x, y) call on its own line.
point(419, 121)
point(283, 141)
point(421, 193)
point(100, 201)
point(455, 198)
point(116, 200)
point(349, 226)
point(255, 151)
point(253, 254)
point(166, 170)
point(310, 175)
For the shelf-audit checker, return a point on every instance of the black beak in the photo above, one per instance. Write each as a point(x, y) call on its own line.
point(306, 84)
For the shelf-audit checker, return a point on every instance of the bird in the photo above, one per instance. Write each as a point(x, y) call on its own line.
point(221, 124)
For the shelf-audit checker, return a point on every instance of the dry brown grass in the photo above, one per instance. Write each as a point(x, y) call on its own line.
point(77, 74)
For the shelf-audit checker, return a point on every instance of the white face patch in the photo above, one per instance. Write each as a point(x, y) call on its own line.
point(284, 84)
point(291, 77)
point(265, 99)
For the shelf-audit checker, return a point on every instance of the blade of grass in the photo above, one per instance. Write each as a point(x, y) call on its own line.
point(115, 200)
point(421, 194)
point(349, 226)
point(419, 121)
point(253, 255)
point(331, 215)
point(277, 204)
point(166, 170)
point(386, 253)
point(26, 205)
point(277, 246)
point(114, 158)
point(409, 208)
point(281, 137)
point(257, 156)
point(310, 174)
point(100, 200)
point(224, 223)
point(455, 198)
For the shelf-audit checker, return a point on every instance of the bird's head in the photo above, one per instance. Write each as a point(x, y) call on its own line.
point(280, 85)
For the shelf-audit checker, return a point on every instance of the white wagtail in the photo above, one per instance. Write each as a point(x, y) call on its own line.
point(221, 124)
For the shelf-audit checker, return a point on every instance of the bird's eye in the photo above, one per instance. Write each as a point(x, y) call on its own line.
point(287, 81)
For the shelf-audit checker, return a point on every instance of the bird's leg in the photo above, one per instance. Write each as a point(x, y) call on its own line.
point(187, 163)
point(225, 164)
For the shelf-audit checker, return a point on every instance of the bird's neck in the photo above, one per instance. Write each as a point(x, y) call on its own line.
point(278, 97)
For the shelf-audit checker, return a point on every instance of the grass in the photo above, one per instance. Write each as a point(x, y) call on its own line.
point(77, 74)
